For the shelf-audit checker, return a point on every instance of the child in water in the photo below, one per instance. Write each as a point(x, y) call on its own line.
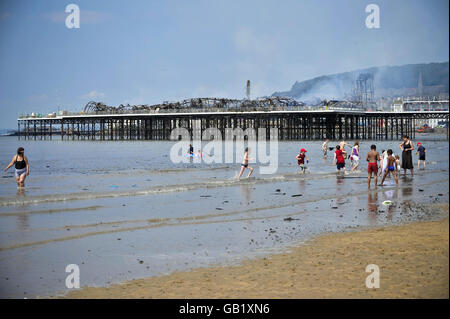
point(383, 162)
point(301, 158)
point(398, 165)
point(339, 159)
point(324, 148)
point(244, 164)
point(354, 157)
point(421, 152)
point(390, 167)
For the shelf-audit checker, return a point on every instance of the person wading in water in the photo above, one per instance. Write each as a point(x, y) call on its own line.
point(22, 169)
point(244, 164)
point(407, 147)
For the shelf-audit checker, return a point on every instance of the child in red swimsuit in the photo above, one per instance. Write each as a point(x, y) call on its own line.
point(339, 159)
point(301, 160)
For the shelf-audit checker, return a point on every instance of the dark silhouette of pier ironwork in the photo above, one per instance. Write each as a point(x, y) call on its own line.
point(293, 120)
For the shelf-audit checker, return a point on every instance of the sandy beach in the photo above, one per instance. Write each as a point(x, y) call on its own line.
point(413, 261)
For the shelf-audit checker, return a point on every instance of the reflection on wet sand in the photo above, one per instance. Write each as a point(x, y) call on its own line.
point(302, 185)
point(372, 205)
point(339, 181)
point(247, 191)
point(391, 195)
point(407, 191)
point(20, 191)
point(23, 222)
point(341, 197)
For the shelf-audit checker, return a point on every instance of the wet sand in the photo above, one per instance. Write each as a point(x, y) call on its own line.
point(413, 261)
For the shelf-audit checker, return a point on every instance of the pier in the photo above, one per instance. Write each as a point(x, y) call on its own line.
point(291, 124)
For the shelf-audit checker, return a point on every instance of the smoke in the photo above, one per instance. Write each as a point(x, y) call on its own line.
point(388, 82)
point(332, 87)
point(335, 89)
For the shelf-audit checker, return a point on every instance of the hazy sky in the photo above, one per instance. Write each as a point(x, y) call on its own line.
point(146, 52)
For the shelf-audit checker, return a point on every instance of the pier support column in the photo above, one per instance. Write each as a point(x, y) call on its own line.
point(352, 132)
point(446, 122)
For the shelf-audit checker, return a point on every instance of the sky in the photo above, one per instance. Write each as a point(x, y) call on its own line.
point(147, 52)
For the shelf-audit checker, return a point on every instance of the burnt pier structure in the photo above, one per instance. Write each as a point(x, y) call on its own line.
point(291, 124)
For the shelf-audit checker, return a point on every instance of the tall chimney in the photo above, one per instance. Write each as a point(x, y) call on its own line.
point(248, 89)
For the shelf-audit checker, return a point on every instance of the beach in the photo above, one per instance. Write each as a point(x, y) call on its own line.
point(413, 261)
point(122, 211)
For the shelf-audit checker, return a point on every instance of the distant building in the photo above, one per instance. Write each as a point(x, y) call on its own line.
point(397, 105)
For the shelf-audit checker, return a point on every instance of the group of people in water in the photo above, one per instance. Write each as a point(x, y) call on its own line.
point(341, 154)
point(379, 165)
point(382, 165)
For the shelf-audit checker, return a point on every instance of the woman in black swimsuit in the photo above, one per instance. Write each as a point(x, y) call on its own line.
point(407, 146)
point(22, 169)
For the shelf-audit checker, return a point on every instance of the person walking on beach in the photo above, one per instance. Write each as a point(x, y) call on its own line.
point(339, 159)
point(373, 157)
point(354, 157)
point(325, 148)
point(244, 164)
point(22, 168)
point(301, 158)
point(390, 167)
point(407, 147)
point(421, 152)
